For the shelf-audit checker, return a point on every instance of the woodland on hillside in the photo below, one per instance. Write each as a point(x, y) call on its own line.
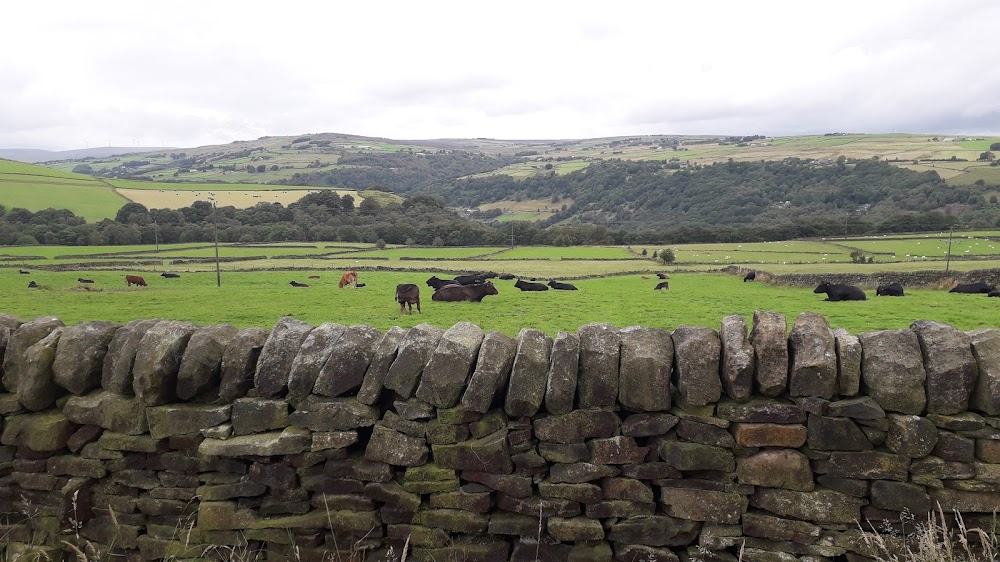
point(609, 202)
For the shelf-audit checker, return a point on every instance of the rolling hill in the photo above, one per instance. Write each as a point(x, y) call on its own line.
point(637, 182)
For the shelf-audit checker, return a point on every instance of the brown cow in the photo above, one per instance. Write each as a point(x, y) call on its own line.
point(348, 278)
point(408, 294)
point(134, 280)
point(472, 293)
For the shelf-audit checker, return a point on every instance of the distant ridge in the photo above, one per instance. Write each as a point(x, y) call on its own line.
point(33, 155)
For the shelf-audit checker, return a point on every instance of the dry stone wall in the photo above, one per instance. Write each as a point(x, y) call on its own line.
point(927, 278)
point(161, 439)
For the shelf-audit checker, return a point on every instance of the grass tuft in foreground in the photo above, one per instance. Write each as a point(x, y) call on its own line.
point(939, 538)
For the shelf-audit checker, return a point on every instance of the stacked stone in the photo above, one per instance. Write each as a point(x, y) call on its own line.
point(159, 439)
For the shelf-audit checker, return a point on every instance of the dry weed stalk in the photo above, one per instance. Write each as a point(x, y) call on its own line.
point(932, 541)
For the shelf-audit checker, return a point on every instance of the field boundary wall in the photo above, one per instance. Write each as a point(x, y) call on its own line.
point(922, 279)
point(778, 440)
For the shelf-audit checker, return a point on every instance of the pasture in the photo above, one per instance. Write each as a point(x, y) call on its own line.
point(614, 285)
point(261, 298)
point(241, 199)
point(35, 188)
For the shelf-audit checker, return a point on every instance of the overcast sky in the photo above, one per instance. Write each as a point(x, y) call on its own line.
point(76, 74)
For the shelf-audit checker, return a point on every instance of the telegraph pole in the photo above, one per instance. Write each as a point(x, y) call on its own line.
point(215, 228)
point(947, 261)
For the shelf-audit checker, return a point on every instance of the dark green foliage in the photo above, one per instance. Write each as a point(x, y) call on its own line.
point(402, 171)
point(802, 197)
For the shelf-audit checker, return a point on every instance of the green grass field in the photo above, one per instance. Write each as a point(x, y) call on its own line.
point(35, 188)
point(261, 298)
point(257, 293)
point(178, 186)
point(92, 202)
point(574, 252)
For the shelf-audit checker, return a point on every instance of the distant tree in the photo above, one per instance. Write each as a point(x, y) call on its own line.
point(274, 167)
point(995, 146)
point(409, 242)
point(349, 234)
point(667, 255)
point(8, 234)
point(251, 169)
point(437, 241)
point(369, 206)
point(380, 244)
point(19, 214)
point(26, 240)
point(993, 199)
point(261, 168)
point(644, 251)
point(83, 169)
point(987, 156)
point(347, 203)
point(125, 214)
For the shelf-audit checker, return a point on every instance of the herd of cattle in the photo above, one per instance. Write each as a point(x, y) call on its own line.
point(475, 287)
point(472, 288)
point(838, 292)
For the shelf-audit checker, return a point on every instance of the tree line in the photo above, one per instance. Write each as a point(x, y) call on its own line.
point(610, 202)
point(640, 195)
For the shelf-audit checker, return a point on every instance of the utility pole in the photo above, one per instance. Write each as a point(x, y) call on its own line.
point(947, 261)
point(215, 228)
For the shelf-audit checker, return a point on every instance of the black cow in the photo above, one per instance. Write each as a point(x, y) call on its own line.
point(82, 280)
point(472, 293)
point(662, 285)
point(475, 279)
point(170, 275)
point(750, 276)
point(23, 272)
point(297, 284)
point(506, 276)
point(32, 285)
point(993, 294)
point(662, 276)
point(561, 286)
point(890, 290)
point(973, 288)
point(359, 285)
point(835, 292)
point(408, 294)
point(526, 286)
point(438, 283)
